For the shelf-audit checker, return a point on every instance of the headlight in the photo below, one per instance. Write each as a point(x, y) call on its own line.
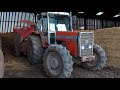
point(90, 46)
point(83, 47)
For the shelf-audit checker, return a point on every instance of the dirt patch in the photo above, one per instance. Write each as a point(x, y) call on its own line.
point(20, 68)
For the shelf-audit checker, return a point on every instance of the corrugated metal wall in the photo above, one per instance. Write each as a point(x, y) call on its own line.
point(117, 24)
point(108, 24)
point(92, 24)
point(8, 20)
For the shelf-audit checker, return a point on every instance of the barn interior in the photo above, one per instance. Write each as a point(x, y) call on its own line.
point(104, 23)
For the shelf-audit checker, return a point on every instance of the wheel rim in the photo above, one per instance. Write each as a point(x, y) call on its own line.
point(54, 63)
point(93, 62)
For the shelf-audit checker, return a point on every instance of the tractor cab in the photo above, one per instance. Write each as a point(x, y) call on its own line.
point(51, 22)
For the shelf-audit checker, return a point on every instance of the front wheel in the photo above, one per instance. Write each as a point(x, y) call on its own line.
point(57, 62)
point(100, 59)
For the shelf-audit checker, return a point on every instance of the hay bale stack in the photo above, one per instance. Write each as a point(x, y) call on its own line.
point(7, 42)
point(109, 39)
point(7, 46)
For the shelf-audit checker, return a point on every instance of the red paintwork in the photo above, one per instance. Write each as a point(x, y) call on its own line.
point(24, 32)
point(28, 22)
point(71, 45)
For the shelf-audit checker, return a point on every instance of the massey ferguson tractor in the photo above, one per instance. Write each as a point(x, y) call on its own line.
point(1, 61)
point(54, 43)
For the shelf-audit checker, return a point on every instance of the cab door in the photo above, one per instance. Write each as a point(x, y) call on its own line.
point(51, 31)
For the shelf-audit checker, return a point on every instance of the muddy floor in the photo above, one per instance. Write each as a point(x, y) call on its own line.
point(20, 68)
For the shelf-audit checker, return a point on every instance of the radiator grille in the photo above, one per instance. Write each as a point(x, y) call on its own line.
point(86, 41)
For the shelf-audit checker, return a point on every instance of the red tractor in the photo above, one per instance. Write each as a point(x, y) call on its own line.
point(53, 43)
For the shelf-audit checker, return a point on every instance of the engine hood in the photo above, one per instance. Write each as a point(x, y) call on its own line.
point(67, 33)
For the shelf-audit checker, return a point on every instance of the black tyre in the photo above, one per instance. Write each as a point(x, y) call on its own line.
point(17, 45)
point(1, 64)
point(57, 62)
point(100, 59)
point(35, 49)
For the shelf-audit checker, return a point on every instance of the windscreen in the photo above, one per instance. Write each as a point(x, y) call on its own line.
point(59, 22)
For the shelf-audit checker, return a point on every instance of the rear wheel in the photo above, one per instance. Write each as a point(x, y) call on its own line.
point(1, 64)
point(57, 62)
point(35, 49)
point(17, 45)
point(100, 59)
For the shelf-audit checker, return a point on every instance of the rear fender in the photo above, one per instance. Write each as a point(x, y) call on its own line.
point(24, 33)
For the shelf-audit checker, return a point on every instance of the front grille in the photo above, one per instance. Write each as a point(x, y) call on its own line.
point(86, 39)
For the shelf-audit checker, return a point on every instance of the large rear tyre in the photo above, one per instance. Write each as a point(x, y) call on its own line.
point(57, 62)
point(17, 45)
point(1, 64)
point(100, 59)
point(35, 50)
